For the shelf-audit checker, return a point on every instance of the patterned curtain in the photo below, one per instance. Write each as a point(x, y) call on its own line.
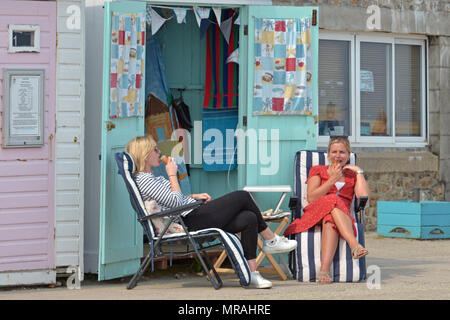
point(283, 68)
point(127, 65)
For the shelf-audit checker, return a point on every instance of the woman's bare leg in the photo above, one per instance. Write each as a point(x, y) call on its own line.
point(252, 265)
point(267, 234)
point(344, 225)
point(330, 239)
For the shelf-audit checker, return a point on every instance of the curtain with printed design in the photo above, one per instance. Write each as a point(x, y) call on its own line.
point(283, 67)
point(127, 65)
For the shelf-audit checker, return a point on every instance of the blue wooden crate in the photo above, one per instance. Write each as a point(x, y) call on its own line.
point(418, 220)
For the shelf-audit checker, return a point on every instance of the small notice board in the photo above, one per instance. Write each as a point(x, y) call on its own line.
point(23, 110)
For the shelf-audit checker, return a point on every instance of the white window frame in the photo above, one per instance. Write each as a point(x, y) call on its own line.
point(367, 140)
point(391, 141)
point(424, 97)
point(27, 28)
point(323, 140)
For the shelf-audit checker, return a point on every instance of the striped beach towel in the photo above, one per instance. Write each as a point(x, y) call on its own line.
point(221, 78)
point(305, 261)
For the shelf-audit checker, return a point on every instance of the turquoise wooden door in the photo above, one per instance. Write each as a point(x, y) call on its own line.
point(121, 238)
point(272, 140)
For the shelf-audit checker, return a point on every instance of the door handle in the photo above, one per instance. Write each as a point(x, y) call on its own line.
point(110, 125)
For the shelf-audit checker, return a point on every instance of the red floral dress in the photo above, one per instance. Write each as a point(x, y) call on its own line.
point(321, 207)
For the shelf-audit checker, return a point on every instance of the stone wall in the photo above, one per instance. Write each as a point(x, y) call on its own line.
point(439, 106)
point(400, 16)
point(400, 186)
point(396, 175)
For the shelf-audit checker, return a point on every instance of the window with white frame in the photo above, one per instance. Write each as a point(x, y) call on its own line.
point(372, 89)
point(23, 38)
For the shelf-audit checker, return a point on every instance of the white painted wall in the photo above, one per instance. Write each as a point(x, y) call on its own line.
point(69, 146)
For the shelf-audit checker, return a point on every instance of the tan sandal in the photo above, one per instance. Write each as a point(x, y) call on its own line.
point(324, 277)
point(356, 252)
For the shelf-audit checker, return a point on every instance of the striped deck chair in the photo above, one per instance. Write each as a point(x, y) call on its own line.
point(197, 242)
point(305, 262)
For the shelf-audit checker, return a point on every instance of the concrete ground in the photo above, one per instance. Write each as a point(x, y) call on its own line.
point(408, 269)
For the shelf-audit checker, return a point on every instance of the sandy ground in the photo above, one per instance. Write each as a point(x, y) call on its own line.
point(408, 269)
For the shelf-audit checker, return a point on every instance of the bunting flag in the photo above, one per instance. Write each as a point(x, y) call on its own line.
point(238, 20)
point(226, 28)
point(180, 13)
point(221, 79)
point(201, 14)
point(218, 13)
point(234, 56)
point(156, 20)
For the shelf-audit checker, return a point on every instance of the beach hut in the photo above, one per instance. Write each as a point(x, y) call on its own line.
point(265, 95)
point(41, 155)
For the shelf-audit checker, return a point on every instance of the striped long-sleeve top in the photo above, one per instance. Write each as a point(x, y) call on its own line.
point(159, 189)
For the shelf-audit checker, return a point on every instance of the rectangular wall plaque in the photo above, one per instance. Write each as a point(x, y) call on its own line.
point(23, 110)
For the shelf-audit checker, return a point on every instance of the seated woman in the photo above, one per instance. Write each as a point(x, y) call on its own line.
point(330, 191)
point(234, 212)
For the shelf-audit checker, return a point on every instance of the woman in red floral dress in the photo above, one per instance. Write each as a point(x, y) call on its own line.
point(330, 190)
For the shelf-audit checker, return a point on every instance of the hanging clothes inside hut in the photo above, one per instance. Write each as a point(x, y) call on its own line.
point(220, 113)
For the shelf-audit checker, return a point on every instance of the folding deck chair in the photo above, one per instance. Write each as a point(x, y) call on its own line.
point(305, 261)
point(195, 242)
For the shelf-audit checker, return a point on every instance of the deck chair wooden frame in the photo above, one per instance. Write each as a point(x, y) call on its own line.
point(304, 262)
point(196, 242)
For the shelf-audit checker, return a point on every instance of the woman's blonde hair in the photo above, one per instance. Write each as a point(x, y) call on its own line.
point(339, 139)
point(139, 148)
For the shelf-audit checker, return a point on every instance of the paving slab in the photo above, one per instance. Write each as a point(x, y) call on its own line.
point(398, 269)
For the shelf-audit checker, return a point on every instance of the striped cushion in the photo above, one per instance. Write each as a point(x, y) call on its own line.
point(306, 260)
point(230, 241)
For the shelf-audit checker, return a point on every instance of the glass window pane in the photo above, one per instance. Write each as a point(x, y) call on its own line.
point(376, 89)
point(334, 88)
point(408, 90)
point(23, 38)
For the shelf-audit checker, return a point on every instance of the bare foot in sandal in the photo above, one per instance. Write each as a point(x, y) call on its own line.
point(324, 277)
point(359, 251)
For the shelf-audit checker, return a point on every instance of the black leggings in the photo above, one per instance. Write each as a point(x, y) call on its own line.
point(234, 212)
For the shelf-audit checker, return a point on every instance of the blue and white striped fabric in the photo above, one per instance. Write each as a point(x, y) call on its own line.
point(231, 242)
point(305, 261)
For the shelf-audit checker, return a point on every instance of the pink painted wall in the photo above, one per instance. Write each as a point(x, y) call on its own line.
point(27, 175)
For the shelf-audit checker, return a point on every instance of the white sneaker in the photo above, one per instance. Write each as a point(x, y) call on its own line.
point(279, 245)
point(258, 282)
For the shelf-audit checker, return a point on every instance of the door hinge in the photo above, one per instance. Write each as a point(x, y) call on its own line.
point(244, 121)
point(314, 18)
point(246, 30)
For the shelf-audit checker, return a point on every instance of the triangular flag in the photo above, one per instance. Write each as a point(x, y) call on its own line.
point(180, 13)
point(203, 12)
point(218, 13)
point(157, 21)
point(238, 20)
point(197, 17)
point(226, 28)
point(234, 56)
